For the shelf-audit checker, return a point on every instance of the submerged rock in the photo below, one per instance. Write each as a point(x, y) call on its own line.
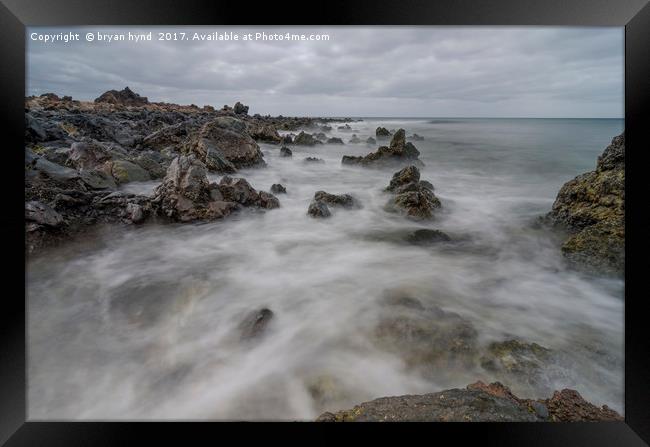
point(277, 188)
point(355, 139)
point(335, 140)
point(319, 205)
point(425, 337)
point(397, 153)
point(318, 209)
point(314, 160)
point(591, 208)
point(285, 152)
point(426, 237)
point(255, 323)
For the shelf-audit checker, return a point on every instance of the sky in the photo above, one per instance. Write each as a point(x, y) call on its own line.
point(550, 72)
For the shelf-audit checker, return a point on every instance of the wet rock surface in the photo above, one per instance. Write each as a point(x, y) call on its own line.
point(478, 402)
point(412, 197)
point(591, 208)
point(79, 154)
point(399, 152)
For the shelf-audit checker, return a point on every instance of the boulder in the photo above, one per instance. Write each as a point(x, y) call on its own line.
point(87, 155)
point(264, 133)
point(416, 137)
point(277, 188)
point(318, 209)
point(285, 152)
point(382, 132)
point(123, 97)
point(591, 209)
point(412, 197)
point(240, 109)
point(97, 179)
point(42, 214)
point(150, 163)
point(185, 193)
point(371, 141)
point(355, 139)
point(124, 171)
point(225, 139)
point(335, 140)
point(342, 200)
point(305, 139)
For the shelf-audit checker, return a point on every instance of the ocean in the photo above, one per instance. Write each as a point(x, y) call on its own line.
point(139, 322)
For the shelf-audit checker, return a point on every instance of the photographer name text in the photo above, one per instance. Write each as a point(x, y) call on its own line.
point(151, 36)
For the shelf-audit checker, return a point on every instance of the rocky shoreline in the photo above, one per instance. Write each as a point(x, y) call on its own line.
point(78, 154)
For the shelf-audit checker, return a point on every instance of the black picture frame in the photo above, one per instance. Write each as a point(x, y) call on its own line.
point(15, 15)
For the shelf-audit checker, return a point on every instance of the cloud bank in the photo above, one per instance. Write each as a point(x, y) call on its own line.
point(359, 71)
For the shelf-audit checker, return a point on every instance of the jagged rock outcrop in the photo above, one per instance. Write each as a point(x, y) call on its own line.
point(382, 132)
point(478, 402)
point(306, 139)
point(224, 145)
point(398, 152)
point(240, 109)
point(319, 205)
point(285, 152)
point(125, 97)
point(412, 197)
point(186, 194)
point(591, 208)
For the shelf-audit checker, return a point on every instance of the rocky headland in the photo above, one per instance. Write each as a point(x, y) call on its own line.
point(78, 153)
point(591, 210)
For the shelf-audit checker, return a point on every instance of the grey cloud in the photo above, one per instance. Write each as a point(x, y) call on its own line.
point(360, 71)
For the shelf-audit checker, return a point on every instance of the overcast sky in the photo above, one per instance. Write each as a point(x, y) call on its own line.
point(359, 71)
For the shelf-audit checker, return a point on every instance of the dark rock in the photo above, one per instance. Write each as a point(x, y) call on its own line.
point(371, 141)
point(278, 189)
point(314, 160)
point(255, 324)
point(96, 179)
point(88, 155)
point(240, 109)
point(335, 140)
point(569, 406)
point(123, 97)
point(355, 139)
point(318, 209)
point(409, 174)
point(431, 340)
point(42, 214)
point(398, 153)
point(455, 405)
point(427, 237)
point(305, 139)
point(265, 133)
point(185, 193)
point(124, 171)
point(591, 208)
point(412, 197)
point(382, 132)
point(53, 170)
point(225, 138)
point(416, 137)
point(343, 200)
point(285, 151)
